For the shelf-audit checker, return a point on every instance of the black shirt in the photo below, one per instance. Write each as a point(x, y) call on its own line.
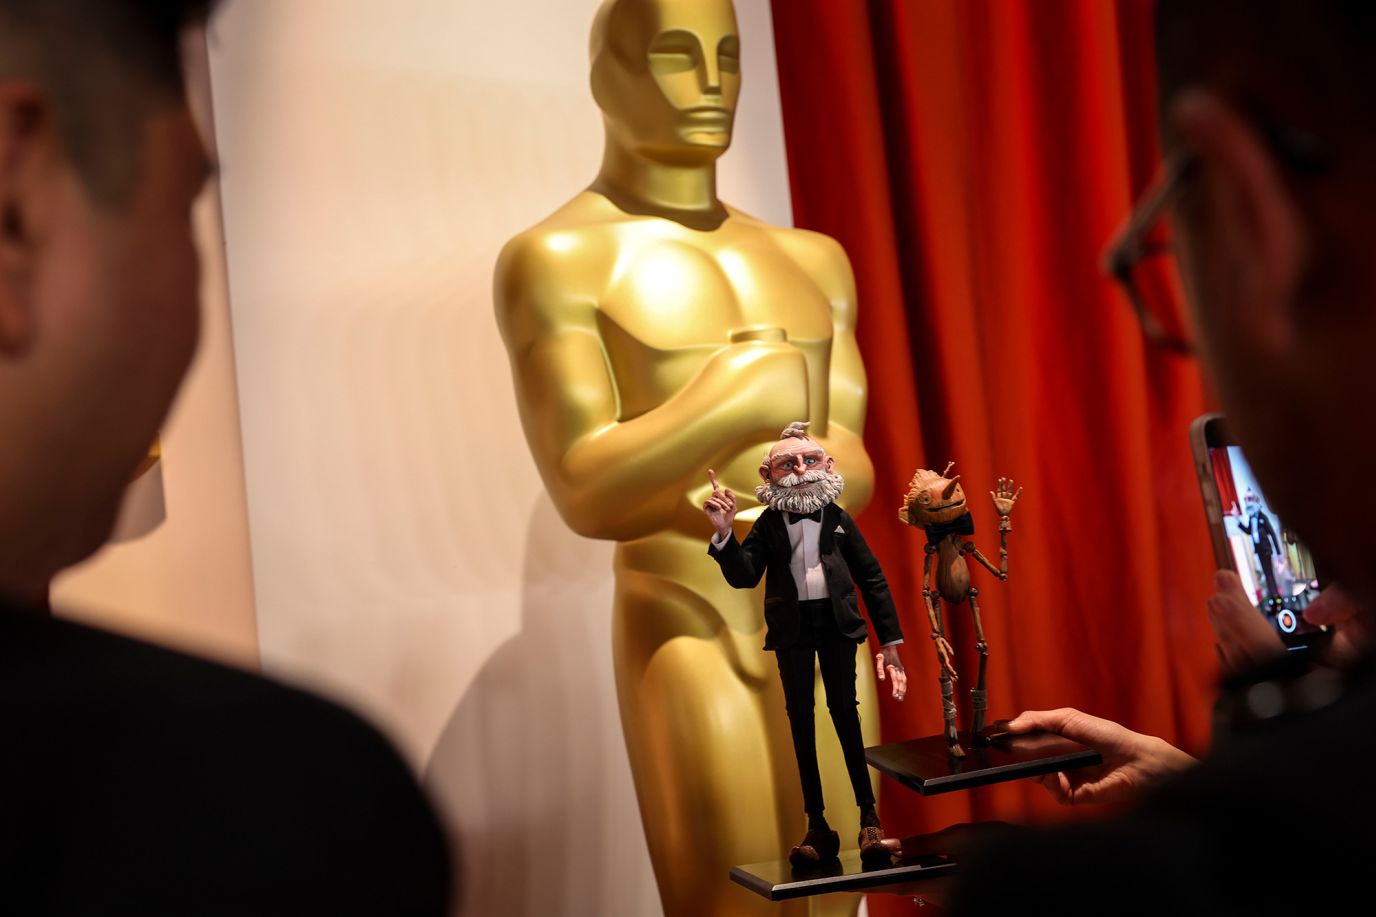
point(137, 780)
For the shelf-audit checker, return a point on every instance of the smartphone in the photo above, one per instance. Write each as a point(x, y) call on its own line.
point(1276, 570)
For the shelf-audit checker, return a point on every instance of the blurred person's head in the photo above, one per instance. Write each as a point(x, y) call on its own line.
point(99, 165)
point(1274, 101)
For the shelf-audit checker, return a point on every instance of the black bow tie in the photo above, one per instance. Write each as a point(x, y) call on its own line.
point(963, 524)
point(798, 517)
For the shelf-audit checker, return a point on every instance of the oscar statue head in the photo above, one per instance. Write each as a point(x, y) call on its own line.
point(667, 76)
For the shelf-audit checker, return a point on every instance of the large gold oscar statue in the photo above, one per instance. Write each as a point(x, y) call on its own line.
point(655, 332)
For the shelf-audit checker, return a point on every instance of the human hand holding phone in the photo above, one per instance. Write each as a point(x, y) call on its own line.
point(1352, 630)
point(1244, 639)
point(1266, 569)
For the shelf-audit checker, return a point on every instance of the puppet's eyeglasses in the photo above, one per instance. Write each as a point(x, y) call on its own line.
point(790, 460)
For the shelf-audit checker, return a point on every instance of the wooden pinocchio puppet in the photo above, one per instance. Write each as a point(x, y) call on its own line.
point(936, 504)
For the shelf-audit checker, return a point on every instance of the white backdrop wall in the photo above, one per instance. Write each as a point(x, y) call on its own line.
point(374, 158)
point(188, 584)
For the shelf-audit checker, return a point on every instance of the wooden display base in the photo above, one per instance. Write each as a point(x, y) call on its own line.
point(779, 881)
point(924, 764)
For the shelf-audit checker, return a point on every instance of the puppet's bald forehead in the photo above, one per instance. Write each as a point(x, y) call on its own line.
point(795, 445)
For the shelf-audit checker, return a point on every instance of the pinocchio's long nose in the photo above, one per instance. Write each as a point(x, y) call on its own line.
point(950, 490)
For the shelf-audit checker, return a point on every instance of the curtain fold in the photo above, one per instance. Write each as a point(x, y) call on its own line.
point(973, 158)
point(1223, 476)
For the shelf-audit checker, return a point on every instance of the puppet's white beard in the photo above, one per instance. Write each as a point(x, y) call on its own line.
point(801, 493)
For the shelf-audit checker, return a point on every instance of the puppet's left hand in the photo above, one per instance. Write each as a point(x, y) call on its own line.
point(887, 660)
point(1004, 497)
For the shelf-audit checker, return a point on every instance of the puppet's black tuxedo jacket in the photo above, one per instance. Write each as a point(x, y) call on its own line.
point(849, 565)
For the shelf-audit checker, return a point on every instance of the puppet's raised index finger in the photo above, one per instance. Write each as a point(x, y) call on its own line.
point(712, 476)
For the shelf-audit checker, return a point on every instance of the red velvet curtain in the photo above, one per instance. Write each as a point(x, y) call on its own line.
point(1223, 475)
point(973, 158)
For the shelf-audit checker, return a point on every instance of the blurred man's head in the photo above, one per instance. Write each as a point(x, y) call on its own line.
point(99, 165)
point(1273, 100)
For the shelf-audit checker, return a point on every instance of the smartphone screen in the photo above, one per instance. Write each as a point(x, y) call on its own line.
point(1277, 571)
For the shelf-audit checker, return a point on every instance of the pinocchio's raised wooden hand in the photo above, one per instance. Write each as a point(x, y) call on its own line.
point(1004, 499)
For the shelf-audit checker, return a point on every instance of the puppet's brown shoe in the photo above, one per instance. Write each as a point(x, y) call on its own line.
point(816, 848)
point(872, 849)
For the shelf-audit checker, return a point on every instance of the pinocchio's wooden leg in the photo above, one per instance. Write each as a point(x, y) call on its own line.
point(948, 701)
point(979, 697)
point(948, 704)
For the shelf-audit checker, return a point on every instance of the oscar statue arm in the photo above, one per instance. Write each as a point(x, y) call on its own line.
point(825, 262)
point(848, 384)
point(609, 476)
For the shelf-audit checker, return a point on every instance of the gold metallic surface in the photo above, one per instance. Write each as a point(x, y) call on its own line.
point(655, 332)
point(149, 460)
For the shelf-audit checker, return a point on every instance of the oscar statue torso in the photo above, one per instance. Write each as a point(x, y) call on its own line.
point(707, 340)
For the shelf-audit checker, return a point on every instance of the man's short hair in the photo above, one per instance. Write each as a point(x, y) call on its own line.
point(104, 64)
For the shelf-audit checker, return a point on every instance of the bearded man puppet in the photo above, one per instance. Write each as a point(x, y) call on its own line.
point(813, 560)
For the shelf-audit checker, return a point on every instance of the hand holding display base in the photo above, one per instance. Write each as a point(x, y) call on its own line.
point(926, 766)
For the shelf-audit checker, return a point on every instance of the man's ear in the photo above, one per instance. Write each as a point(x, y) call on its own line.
point(1258, 232)
point(764, 472)
point(27, 142)
point(831, 464)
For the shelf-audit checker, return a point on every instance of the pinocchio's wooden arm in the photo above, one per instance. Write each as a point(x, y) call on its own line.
point(1001, 571)
point(927, 592)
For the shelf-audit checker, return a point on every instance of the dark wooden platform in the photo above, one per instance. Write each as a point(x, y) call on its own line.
point(924, 764)
point(779, 881)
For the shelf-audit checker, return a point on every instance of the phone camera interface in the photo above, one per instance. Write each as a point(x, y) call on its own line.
point(1277, 571)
